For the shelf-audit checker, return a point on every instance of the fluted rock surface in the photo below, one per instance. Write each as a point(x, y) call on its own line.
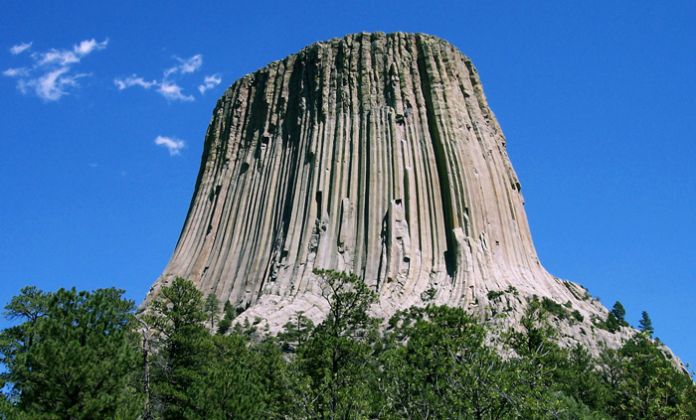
point(372, 153)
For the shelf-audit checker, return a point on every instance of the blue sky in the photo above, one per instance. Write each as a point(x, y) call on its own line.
point(105, 107)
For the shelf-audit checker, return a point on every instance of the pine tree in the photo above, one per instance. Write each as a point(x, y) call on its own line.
point(612, 323)
point(183, 345)
point(650, 387)
point(226, 323)
point(73, 356)
point(295, 333)
point(645, 324)
point(239, 381)
point(437, 365)
point(334, 367)
point(619, 313)
point(212, 308)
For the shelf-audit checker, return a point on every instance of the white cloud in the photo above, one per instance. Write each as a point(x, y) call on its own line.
point(20, 48)
point(18, 72)
point(50, 86)
point(54, 56)
point(172, 91)
point(172, 144)
point(167, 87)
point(192, 64)
point(65, 57)
point(210, 82)
point(51, 74)
point(134, 81)
point(87, 47)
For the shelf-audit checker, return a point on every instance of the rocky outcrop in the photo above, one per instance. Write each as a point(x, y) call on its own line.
point(372, 153)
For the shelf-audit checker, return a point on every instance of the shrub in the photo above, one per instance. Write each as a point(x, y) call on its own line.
point(554, 308)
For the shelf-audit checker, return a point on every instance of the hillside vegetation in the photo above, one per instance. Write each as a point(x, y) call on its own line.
point(84, 355)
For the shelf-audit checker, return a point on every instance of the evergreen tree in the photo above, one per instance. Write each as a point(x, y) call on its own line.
point(438, 366)
point(650, 387)
point(578, 378)
point(334, 369)
point(645, 324)
point(535, 340)
point(296, 332)
point(619, 312)
point(231, 384)
point(211, 309)
point(226, 323)
point(183, 345)
point(73, 357)
point(612, 323)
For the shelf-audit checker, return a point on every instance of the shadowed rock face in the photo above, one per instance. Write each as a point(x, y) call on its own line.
point(372, 153)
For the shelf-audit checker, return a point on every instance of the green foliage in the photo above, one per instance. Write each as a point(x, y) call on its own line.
point(224, 326)
point(571, 409)
point(554, 308)
point(199, 376)
point(536, 338)
point(182, 342)
point(649, 387)
point(73, 356)
point(619, 313)
point(577, 316)
point(226, 323)
point(612, 324)
point(334, 368)
point(234, 381)
point(512, 290)
point(211, 307)
point(576, 376)
point(645, 324)
point(494, 294)
point(439, 367)
point(429, 294)
point(296, 332)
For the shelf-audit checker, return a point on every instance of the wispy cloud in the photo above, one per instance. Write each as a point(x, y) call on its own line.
point(21, 71)
point(20, 48)
point(172, 91)
point(172, 144)
point(192, 64)
point(51, 86)
point(187, 65)
point(51, 75)
point(209, 82)
point(87, 47)
point(134, 81)
point(66, 57)
point(166, 86)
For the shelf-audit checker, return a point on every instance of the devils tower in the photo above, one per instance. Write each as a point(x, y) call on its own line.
point(375, 154)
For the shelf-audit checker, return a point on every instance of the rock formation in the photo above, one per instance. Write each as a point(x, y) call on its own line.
point(372, 153)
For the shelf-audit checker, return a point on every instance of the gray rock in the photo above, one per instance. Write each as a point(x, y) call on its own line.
point(376, 154)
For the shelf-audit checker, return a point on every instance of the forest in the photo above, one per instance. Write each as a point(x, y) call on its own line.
point(85, 355)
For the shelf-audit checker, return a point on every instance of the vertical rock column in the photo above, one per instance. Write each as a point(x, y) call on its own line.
point(372, 153)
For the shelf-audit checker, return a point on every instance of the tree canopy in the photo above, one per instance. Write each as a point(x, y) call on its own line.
point(83, 355)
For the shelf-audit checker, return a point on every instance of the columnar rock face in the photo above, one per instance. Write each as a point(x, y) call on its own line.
point(372, 153)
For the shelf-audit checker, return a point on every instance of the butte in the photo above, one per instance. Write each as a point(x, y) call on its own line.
point(376, 154)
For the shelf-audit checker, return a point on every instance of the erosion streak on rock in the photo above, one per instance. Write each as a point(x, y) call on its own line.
point(372, 153)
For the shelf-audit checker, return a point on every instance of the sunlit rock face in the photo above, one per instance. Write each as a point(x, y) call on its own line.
point(375, 154)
